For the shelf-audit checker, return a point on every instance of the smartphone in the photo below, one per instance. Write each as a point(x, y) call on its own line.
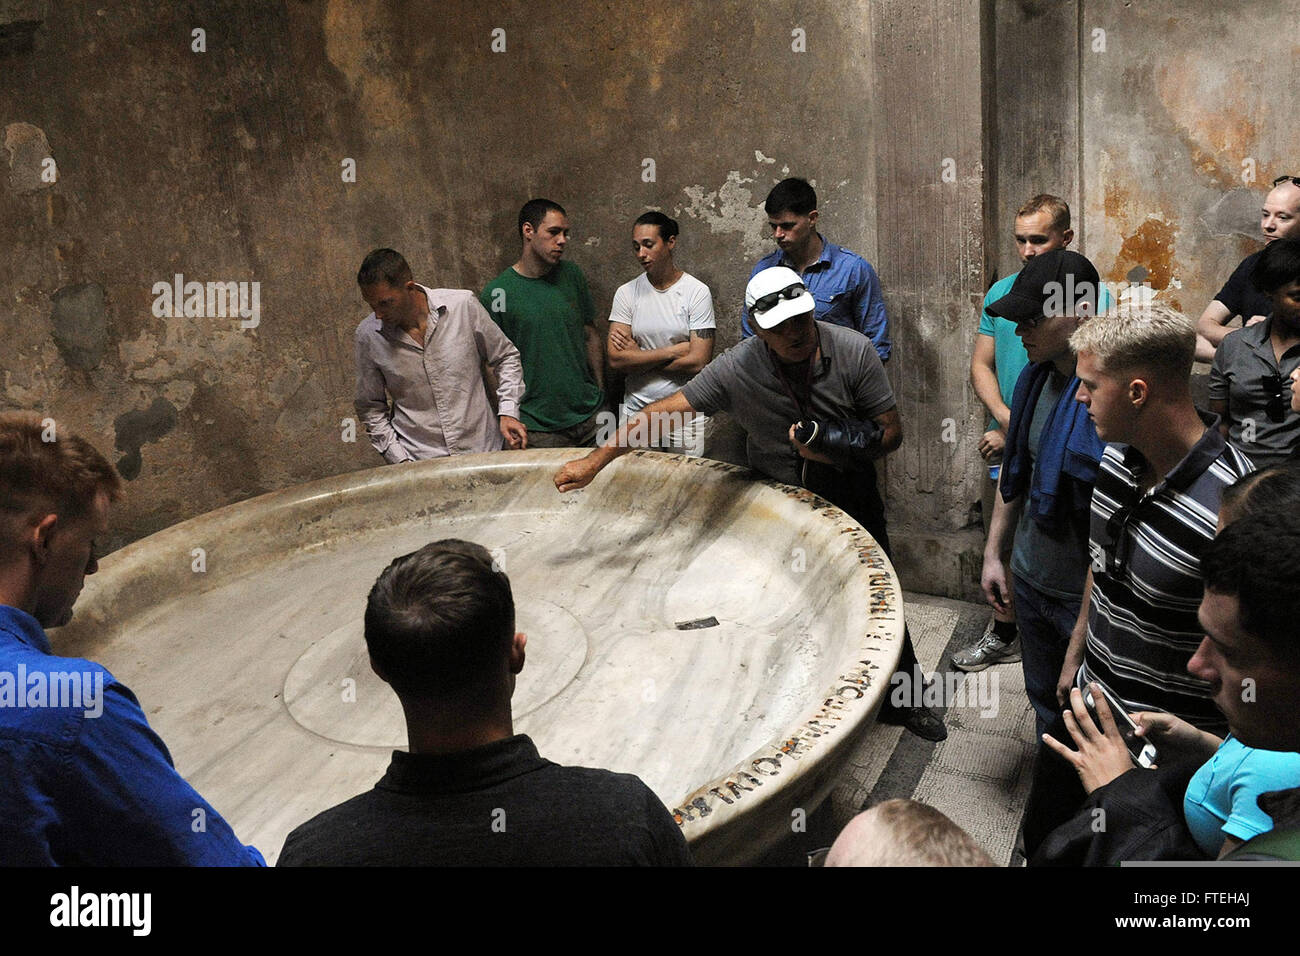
point(1141, 750)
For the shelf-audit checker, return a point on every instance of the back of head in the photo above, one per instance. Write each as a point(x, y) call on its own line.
point(1145, 340)
point(535, 210)
point(384, 265)
point(1055, 206)
point(1278, 266)
point(666, 224)
point(44, 470)
point(1274, 490)
point(794, 195)
point(439, 624)
point(1256, 559)
point(905, 833)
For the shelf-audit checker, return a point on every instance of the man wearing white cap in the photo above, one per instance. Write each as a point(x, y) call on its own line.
point(817, 410)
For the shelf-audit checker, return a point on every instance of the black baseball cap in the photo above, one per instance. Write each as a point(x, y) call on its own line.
point(1049, 285)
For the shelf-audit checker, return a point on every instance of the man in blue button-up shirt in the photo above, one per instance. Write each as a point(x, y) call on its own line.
point(86, 781)
point(843, 284)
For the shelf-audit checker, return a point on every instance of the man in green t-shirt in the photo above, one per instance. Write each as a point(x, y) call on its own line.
point(543, 306)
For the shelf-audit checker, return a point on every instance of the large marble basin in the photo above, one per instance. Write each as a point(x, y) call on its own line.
point(241, 633)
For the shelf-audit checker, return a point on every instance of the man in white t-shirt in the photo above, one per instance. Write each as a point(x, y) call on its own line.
point(661, 331)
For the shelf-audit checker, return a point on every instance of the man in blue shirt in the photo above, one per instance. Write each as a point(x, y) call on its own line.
point(86, 780)
point(844, 286)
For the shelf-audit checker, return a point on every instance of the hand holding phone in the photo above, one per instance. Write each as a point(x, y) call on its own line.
point(1142, 751)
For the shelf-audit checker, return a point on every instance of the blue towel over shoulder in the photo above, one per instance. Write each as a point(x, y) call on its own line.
point(1068, 454)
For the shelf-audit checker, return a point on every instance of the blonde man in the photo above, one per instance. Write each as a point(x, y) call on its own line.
point(905, 833)
point(1154, 511)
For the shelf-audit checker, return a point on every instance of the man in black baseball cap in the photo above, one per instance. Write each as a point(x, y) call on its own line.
point(1045, 487)
point(1060, 283)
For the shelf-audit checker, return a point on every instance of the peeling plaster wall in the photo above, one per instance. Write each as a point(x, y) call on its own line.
point(225, 166)
point(1186, 99)
point(1161, 121)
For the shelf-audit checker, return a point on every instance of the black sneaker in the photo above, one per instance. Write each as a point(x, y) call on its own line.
point(921, 721)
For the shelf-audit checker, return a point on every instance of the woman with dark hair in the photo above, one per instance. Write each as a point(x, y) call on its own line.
point(1253, 367)
point(661, 332)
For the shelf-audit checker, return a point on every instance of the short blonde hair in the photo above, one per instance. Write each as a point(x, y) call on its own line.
point(905, 833)
point(1152, 338)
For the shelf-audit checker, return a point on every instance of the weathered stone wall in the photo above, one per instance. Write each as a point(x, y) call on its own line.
point(226, 165)
point(930, 200)
point(922, 124)
point(1187, 116)
point(1161, 121)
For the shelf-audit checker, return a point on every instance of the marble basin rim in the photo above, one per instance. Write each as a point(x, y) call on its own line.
point(239, 630)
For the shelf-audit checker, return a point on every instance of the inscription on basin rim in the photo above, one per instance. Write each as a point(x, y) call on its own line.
point(849, 687)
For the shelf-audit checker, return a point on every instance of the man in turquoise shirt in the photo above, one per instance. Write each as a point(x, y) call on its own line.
point(1041, 225)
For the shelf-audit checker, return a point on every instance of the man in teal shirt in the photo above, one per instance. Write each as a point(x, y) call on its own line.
point(543, 306)
point(1041, 225)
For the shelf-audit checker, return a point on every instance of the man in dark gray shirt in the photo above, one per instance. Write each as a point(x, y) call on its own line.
point(795, 370)
point(1048, 470)
point(440, 628)
point(1249, 378)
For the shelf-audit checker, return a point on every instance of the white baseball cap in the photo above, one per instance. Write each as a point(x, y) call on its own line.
point(776, 294)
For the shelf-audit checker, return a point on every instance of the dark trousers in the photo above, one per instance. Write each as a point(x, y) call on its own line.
point(857, 494)
point(1055, 795)
point(1045, 623)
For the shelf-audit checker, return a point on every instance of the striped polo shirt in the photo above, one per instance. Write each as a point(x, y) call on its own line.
point(1146, 566)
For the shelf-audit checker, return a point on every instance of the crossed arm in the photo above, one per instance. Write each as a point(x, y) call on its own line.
point(681, 357)
point(1212, 329)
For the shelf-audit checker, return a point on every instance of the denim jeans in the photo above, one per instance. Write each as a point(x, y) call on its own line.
point(1045, 623)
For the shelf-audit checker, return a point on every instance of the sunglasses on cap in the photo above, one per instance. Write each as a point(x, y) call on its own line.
point(792, 291)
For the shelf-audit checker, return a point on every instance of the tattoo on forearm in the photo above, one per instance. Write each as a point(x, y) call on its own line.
point(702, 333)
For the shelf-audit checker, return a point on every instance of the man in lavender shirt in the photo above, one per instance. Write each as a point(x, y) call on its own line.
point(434, 351)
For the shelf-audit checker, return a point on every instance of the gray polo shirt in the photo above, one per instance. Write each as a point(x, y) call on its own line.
point(1055, 563)
point(848, 382)
point(1246, 374)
